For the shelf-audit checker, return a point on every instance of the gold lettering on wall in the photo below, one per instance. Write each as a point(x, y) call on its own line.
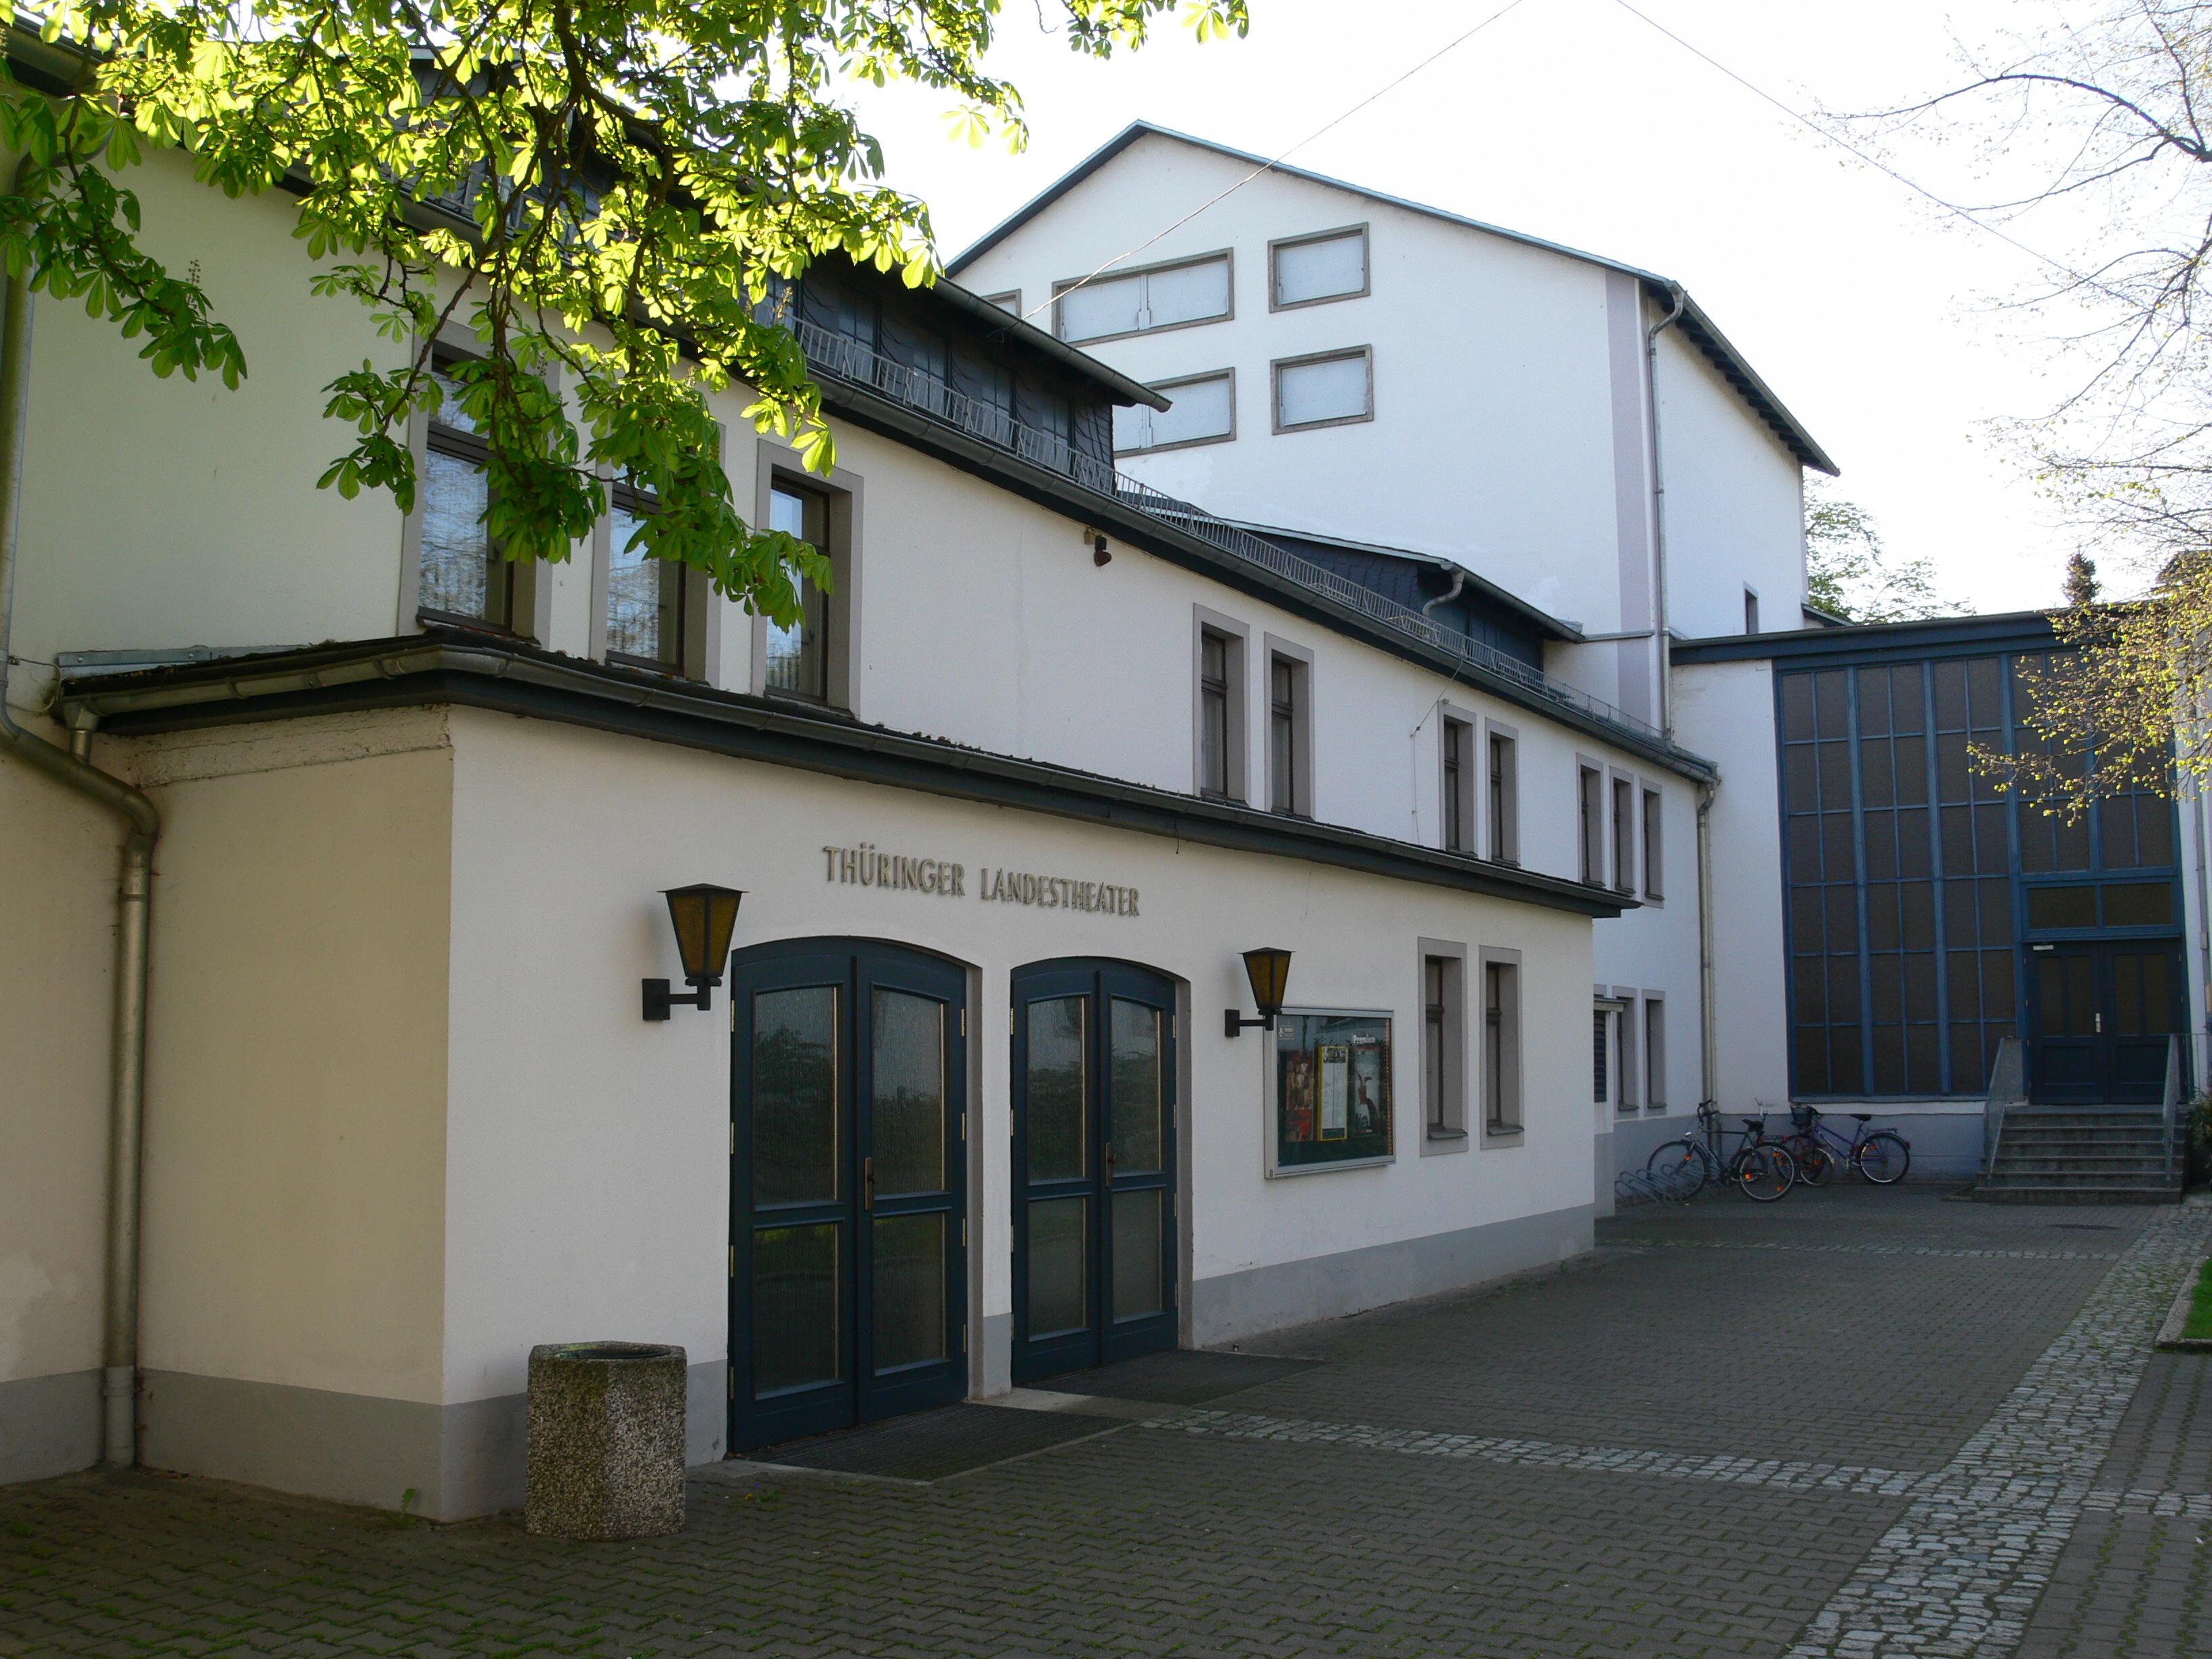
point(868, 865)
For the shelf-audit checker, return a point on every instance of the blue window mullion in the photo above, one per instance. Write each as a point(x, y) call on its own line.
point(1859, 882)
point(1936, 874)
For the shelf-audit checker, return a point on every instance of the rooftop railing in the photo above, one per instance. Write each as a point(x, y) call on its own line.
point(841, 357)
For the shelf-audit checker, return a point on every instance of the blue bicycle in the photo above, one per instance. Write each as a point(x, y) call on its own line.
point(1882, 1155)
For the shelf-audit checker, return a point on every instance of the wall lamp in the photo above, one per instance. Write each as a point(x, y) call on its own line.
point(704, 916)
point(1268, 968)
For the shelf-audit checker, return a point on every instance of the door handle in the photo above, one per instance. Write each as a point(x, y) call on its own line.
point(2101, 1022)
point(1109, 1160)
point(868, 1183)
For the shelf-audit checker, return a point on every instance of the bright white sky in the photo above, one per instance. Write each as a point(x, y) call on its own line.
point(1872, 315)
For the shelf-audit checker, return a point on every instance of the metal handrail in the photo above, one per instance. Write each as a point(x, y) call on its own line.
point(842, 357)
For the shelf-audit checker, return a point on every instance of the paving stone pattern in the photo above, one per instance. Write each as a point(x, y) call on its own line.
point(2136, 1578)
point(1663, 1453)
point(1963, 1568)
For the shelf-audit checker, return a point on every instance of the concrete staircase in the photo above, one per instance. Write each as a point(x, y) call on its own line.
point(2084, 1155)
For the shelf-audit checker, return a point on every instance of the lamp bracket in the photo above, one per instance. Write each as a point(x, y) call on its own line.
point(659, 1000)
point(1232, 1021)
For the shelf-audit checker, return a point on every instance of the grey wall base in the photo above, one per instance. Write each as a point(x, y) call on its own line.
point(1602, 1174)
point(49, 1425)
point(1232, 1305)
point(459, 1460)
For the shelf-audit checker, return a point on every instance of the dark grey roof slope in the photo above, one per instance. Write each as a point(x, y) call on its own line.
point(1700, 329)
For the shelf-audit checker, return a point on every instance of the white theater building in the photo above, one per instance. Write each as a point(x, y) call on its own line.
point(1559, 454)
point(1007, 809)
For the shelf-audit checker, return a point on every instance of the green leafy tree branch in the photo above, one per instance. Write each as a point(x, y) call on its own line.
point(607, 195)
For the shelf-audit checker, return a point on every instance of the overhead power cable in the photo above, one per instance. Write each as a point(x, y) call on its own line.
point(1878, 165)
point(1269, 166)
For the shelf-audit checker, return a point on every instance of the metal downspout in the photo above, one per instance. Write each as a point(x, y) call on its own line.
point(134, 895)
point(1659, 513)
point(1708, 1026)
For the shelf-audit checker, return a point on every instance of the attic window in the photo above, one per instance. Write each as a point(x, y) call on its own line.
point(1144, 301)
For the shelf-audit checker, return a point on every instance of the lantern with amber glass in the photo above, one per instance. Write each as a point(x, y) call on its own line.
point(1268, 968)
point(704, 916)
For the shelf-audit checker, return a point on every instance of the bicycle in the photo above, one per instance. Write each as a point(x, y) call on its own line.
point(1882, 1155)
point(1761, 1169)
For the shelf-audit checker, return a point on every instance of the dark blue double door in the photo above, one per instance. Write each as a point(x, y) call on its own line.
point(847, 1185)
point(1094, 1165)
point(2101, 1015)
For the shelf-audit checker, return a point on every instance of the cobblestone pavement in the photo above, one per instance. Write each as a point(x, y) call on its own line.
point(1858, 1423)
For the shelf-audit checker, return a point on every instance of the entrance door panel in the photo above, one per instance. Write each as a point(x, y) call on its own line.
point(848, 1266)
point(1094, 1166)
point(2100, 1017)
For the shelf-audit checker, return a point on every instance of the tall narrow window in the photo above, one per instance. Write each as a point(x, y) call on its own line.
point(1441, 1070)
point(1590, 827)
point(1624, 834)
point(1502, 804)
point(1213, 653)
point(462, 575)
point(1289, 747)
point(1600, 1055)
point(1458, 791)
point(1501, 1046)
point(799, 655)
point(1654, 863)
point(1750, 612)
point(1654, 1052)
point(645, 595)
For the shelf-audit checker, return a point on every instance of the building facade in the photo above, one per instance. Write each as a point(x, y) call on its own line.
point(1929, 915)
point(1477, 418)
point(1006, 807)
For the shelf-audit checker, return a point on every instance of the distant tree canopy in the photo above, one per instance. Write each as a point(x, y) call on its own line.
point(601, 193)
point(1849, 574)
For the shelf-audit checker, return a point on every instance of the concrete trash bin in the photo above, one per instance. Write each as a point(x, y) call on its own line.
point(606, 1440)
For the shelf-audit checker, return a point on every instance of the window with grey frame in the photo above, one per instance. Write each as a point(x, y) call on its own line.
point(1305, 270)
point(462, 575)
point(1203, 410)
point(797, 655)
point(1326, 388)
point(1601, 1018)
point(1219, 656)
point(1502, 803)
point(1654, 844)
point(1442, 1069)
point(1624, 834)
point(1288, 787)
point(1458, 786)
point(1655, 1054)
point(1750, 612)
point(1501, 1046)
point(1172, 296)
point(1590, 822)
point(645, 595)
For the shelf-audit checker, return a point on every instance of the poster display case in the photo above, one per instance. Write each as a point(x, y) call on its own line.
point(1330, 1091)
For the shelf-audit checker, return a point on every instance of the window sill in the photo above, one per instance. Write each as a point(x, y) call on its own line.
point(1435, 1134)
point(1510, 1133)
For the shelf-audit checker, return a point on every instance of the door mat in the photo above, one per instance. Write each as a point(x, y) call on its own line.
point(1187, 1377)
point(933, 1444)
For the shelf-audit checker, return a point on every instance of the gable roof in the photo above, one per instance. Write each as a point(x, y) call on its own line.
point(1695, 324)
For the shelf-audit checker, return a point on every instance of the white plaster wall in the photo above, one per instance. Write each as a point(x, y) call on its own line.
point(984, 620)
point(58, 895)
point(1727, 710)
point(1491, 438)
point(294, 1151)
point(169, 512)
point(591, 1148)
point(1734, 503)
